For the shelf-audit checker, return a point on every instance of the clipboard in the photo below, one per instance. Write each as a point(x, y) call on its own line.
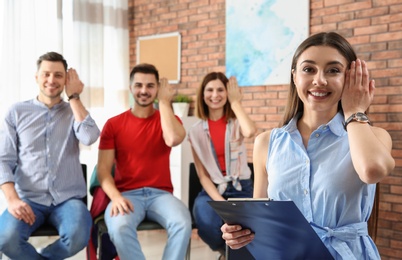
point(281, 231)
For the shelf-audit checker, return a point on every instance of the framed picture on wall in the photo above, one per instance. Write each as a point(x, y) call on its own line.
point(261, 37)
point(164, 52)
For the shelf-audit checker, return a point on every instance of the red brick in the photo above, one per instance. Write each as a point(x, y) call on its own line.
point(336, 2)
point(355, 6)
point(384, 37)
point(385, 19)
point(371, 29)
point(372, 12)
point(374, 28)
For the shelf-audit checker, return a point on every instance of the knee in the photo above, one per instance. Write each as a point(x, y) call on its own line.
point(201, 207)
point(181, 223)
point(119, 225)
point(76, 238)
point(9, 241)
point(76, 242)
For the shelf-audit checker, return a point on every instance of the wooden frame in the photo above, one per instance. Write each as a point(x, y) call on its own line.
point(163, 51)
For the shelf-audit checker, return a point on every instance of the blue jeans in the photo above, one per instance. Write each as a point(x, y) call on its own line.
point(208, 221)
point(156, 205)
point(71, 219)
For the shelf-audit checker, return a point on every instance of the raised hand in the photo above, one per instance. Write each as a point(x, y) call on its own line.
point(234, 93)
point(73, 83)
point(166, 91)
point(358, 91)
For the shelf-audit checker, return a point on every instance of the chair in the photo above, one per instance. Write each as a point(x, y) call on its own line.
point(102, 229)
point(47, 229)
point(99, 222)
point(195, 186)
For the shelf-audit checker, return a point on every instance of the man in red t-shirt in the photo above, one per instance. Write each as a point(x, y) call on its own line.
point(139, 142)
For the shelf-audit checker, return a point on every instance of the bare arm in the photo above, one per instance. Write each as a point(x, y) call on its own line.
point(234, 235)
point(260, 155)
point(75, 86)
point(205, 179)
point(247, 126)
point(120, 205)
point(16, 207)
point(370, 147)
point(173, 131)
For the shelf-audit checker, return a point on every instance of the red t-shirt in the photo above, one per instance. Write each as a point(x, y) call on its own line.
point(141, 155)
point(217, 130)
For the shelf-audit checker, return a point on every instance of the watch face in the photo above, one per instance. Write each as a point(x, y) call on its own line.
point(361, 117)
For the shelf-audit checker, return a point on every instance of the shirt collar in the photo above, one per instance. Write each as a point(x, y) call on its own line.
point(335, 124)
point(57, 106)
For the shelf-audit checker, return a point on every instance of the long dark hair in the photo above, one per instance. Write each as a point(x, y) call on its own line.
point(201, 110)
point(294, 104)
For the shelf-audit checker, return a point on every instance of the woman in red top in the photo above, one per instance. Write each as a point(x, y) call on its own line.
point(219, 152)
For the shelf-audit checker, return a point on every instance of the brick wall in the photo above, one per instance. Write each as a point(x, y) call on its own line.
point(373, 27)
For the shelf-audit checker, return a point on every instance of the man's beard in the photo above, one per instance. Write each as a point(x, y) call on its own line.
point(142, 104)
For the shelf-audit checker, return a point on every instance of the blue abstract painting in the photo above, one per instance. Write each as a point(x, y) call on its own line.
point(261, 37)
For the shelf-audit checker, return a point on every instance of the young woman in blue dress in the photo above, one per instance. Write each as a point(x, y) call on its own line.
point(337, 155)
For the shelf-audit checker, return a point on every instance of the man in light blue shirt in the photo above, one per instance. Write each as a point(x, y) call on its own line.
point(40, 171)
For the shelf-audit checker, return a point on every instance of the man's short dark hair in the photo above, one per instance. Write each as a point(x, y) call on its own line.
point(146, 69)
point(52, 56)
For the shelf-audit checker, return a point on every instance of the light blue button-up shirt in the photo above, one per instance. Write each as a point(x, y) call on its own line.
point(324, 185)
point(39, 151)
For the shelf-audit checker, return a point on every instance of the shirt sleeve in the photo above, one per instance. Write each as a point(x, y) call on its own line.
point(8, 149)
point(107, 137)
point(87, 132)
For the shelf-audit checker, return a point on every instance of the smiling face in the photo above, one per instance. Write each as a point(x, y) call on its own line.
point(319, 78)
point(215, 95)
point(51, 78)
point(144, 89)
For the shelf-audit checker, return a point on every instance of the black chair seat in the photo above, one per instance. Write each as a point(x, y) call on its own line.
point(45, 230)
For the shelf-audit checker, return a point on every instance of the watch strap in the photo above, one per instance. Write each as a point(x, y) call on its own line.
point(355, 118)
point(74, 96)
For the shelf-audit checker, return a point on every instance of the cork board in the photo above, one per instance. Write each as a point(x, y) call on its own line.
point(163, 51)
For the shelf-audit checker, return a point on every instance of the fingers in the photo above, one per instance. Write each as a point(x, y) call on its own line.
point(358, 91)
point(239, 243)
point(372, 86)
point(72, 75)
point(124, 207)
point(230, 228)
point(234, 93)
point(358, 71)
point(365, 74)
point(358, 75)
point(166, 91)
point(163, 82)
point(352, 74)
point(73, 82)
point(24, 212)
point(347, 79)
point(235, 236)
point(28, 216)
point(232, 84)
